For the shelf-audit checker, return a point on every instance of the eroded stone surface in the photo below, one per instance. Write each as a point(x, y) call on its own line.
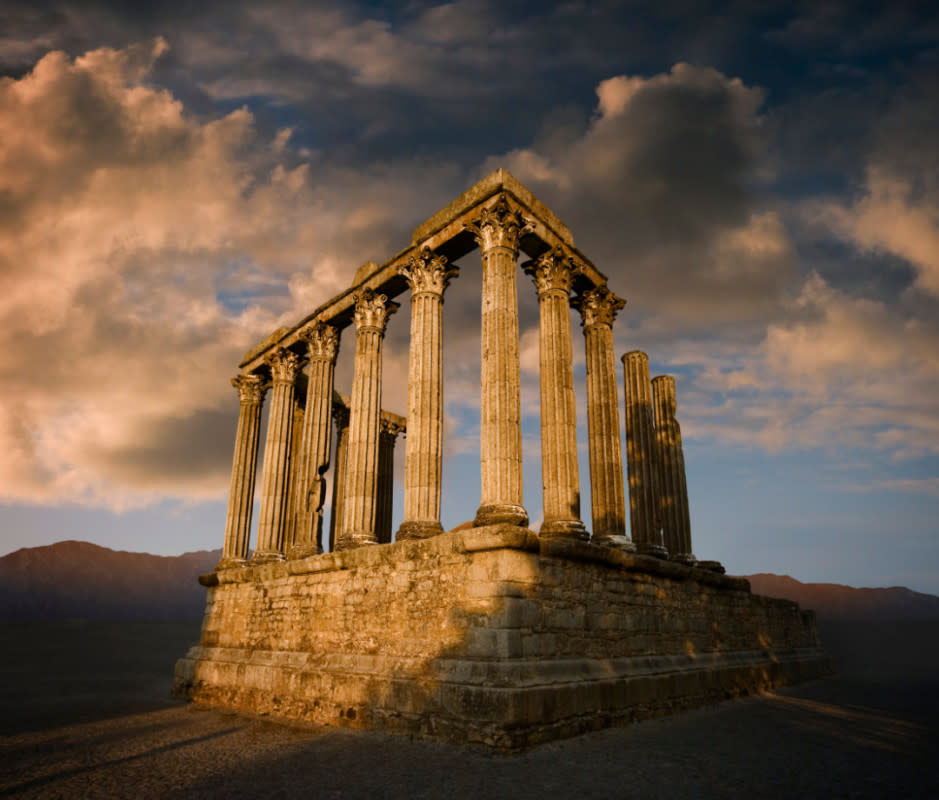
point(491, 636)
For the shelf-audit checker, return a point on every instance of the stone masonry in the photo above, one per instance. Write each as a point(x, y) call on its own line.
point(491, 634)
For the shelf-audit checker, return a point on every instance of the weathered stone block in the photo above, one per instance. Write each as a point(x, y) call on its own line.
point(485, 636)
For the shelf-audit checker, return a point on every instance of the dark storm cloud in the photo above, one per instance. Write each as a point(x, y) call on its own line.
point(170, 450)
point(667, 194)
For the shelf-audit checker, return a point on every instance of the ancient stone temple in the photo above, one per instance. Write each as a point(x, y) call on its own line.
point(494, 633)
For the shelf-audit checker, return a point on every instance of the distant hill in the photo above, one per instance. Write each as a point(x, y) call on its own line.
point(79, 580)
point(832, 601)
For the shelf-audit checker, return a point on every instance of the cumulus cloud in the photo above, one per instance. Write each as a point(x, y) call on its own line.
point(894, 218)
point(662, 191)
point(142, 252)
point(840, 370)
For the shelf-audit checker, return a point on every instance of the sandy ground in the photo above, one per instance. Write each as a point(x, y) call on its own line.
point(84, 713)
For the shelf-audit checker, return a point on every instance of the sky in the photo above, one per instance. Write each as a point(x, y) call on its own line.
point(760, 181)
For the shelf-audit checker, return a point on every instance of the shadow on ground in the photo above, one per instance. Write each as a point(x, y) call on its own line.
point(58, 673)
point(92, 718)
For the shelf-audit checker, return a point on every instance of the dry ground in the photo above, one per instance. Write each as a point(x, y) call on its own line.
point(84, 713)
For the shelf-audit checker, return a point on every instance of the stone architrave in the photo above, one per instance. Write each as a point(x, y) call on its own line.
point(251, 390)
point(428, 276)
point(598, 308)
point(387, 435)
point(553, 274)
point(285, 366)
point(672, 484)
point(322, 348)
point(497, 232)
point(641, 457)
point(341, 418)
point(358, 515)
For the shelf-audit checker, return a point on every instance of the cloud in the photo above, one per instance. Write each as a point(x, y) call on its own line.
point(841, 370)
point(928, 486)
point(662, 191)
point(891, 212)
point(146, 248)
point(142, 252)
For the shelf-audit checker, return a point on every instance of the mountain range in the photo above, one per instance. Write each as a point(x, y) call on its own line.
point(79, 580)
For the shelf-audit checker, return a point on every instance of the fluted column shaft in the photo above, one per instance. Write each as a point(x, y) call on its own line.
point(296, 452)
point(641, 456)
point(323, 346)
point(553, 275)
point(428, 276)
point(251, 389)
point(672, 484)
point(272, 521)
point(598, 309)
point(497, 233)
point(387, 435)
point(358, 518)
point(341, 417)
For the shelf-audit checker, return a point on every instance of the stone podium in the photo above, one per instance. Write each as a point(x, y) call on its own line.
point(492, 634)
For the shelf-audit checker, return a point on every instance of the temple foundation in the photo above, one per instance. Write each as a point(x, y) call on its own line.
point(492, 636)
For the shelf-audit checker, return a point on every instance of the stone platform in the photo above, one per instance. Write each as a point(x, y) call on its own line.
point(489, 636)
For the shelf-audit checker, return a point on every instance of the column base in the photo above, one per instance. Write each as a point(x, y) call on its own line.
point(501, 513)
point(231, 563)
point(303, 551)
point(617, 541)
point(563, 529)
point(684, 558)
point(712, 566)
point(266, 556)
point(651, 549)
point(418, 529)
point(350, 541)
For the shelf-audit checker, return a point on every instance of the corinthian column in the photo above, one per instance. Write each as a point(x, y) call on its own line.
point(673, 487)
point(358, 516)
point(497, 233)
point(553, 274)
point(285, 365)
point(598, 309)
point(341, 417)
point(251, 389)
point(641, 456)
point(428, 276)
point(322, 347)
point(388, 430)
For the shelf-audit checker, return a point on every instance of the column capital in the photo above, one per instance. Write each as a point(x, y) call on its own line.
point(372, 311)
point(285, 365)
point(322, 341)
point(428, 273)
point(391, 428)
point(499, 225)
point(638, 356)
point(251, 388)
point(553, 272)
point(598, 306)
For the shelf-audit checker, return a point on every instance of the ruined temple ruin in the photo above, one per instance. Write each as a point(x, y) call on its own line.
point(492, 634)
